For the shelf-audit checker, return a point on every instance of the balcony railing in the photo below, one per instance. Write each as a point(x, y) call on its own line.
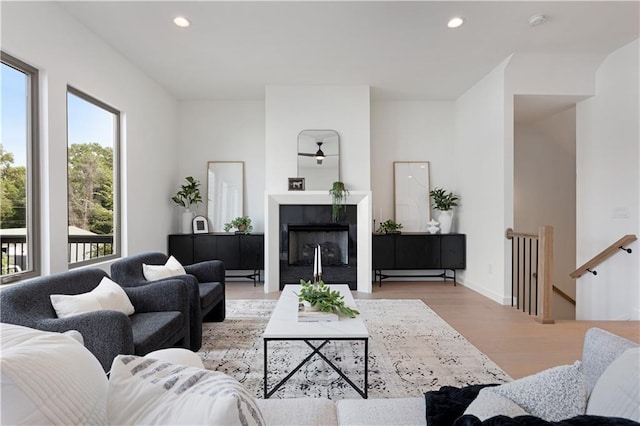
point(79, 249)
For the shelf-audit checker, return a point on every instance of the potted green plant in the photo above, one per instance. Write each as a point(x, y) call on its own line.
point(444, 202)
point(242, 224)
point(339, 195)
point(389, 227)
point(188, 195)
point(319, 295)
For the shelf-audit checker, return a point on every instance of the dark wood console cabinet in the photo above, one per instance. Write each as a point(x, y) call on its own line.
point(417, 251)
point(236, 251)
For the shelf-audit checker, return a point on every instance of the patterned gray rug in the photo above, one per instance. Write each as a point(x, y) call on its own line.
point(411, 350)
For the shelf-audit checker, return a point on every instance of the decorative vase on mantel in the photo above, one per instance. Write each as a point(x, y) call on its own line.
point(186, 225)
point(445, 218)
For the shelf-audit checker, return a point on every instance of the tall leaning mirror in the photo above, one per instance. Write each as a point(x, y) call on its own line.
point(225, 192)
point(318, 158)
point(411, 195)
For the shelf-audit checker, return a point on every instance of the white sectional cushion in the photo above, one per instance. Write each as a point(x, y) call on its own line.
point(298, 411)
point(617, 391)
point(149, 391)
point(553, 395)
point(380, 411)
point(171, 268)
point(49, 378)
point(107, 295)
point(489, 404)
point(177, 356)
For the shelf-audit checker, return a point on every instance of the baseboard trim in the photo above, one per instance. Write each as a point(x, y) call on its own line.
point(498, 298)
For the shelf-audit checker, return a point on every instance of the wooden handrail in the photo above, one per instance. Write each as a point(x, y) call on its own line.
point(564, 295)
point(603, 255)
point(510, 233)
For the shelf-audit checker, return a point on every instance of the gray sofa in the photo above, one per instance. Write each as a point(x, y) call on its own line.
point(161, 317)
point(205, 282)
point(600, 349)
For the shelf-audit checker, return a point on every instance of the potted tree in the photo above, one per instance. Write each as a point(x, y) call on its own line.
point(188, 195)
point(242, 224)
point(339, 195)
point(444, 202)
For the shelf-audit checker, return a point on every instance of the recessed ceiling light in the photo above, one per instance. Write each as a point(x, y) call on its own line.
point(536, 20)
point(455, 22)
point(181, 21)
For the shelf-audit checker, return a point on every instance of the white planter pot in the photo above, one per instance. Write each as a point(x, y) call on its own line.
point(445, 220)
point(187, 222)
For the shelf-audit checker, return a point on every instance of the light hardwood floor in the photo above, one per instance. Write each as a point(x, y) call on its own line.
point(513, 340)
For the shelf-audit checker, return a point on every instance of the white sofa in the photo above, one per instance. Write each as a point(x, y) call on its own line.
point(48, 378)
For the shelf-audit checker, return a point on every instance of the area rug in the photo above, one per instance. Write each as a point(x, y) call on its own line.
point(411, 351)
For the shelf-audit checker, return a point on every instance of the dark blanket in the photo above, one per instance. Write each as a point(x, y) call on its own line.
point(445, 407)
point(536, 421)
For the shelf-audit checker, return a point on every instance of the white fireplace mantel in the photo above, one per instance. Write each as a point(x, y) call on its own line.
point(362, 199)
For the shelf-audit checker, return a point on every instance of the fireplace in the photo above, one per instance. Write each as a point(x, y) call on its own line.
point(305, 227)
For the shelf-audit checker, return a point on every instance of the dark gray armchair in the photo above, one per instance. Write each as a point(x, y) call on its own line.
point(161, 317)
point(205, 283)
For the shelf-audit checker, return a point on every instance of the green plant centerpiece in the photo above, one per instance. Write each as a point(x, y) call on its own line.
point(389, 226)
point(241, 223)
point(321, 296)
point(339, 195)
point(443, 200)
point(188, 194)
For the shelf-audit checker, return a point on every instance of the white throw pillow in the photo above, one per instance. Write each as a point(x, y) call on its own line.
point(553, 395)
point(107, 295)
point(617, 391)
point(149, 391)
point(49, 378)
point(171, 268)
point(489, 404)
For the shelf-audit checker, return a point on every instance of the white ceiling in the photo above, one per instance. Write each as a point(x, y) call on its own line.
point(403, 50)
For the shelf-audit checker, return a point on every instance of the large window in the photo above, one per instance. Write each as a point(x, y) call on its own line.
point(19, 233)
point(93, 130)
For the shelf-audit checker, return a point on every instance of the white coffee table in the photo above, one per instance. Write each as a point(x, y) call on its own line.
point(284, 325)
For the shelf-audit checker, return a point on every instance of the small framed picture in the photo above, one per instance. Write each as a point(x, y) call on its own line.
point(200, 225)
point(296, 184)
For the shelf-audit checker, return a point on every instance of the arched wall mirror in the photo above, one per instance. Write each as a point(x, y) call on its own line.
point(225, 192)
point(411, 195)
point(319, 158)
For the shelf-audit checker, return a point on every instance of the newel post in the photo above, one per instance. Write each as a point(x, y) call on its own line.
point(545, 275)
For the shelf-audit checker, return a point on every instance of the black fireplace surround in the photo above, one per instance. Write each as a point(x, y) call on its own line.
point(304, 227)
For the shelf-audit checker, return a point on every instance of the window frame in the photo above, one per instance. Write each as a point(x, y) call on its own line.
point(32, 215)
point(117, 234)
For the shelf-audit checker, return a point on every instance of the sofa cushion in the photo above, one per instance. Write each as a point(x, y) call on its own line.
point(553, 394)
point(148, 391)
point(599, 350)
point(107, 295)
point(49, 378)
point(171, 268)
point(489, 404)
point(378, 411)
point(298, 411)
point(210, 294)
point(153, 330)
point(617, 391)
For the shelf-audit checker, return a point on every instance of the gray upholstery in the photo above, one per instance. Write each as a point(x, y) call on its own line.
point(205, 282)
point(161, 317)
point(600, 349)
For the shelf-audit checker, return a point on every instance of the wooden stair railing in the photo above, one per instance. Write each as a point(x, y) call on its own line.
point(604, 255)
point(543, 274)
point(564, 295)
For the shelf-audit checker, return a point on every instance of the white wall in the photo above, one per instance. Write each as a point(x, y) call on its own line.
point(410, 131)
point(66, 53)
point(224, 131)
point(480, 167)
point(608, 188)
point(544, 193)
point(290, 109)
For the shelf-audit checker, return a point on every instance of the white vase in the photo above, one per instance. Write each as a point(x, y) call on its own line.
point(445, 219)
point(187, 222)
